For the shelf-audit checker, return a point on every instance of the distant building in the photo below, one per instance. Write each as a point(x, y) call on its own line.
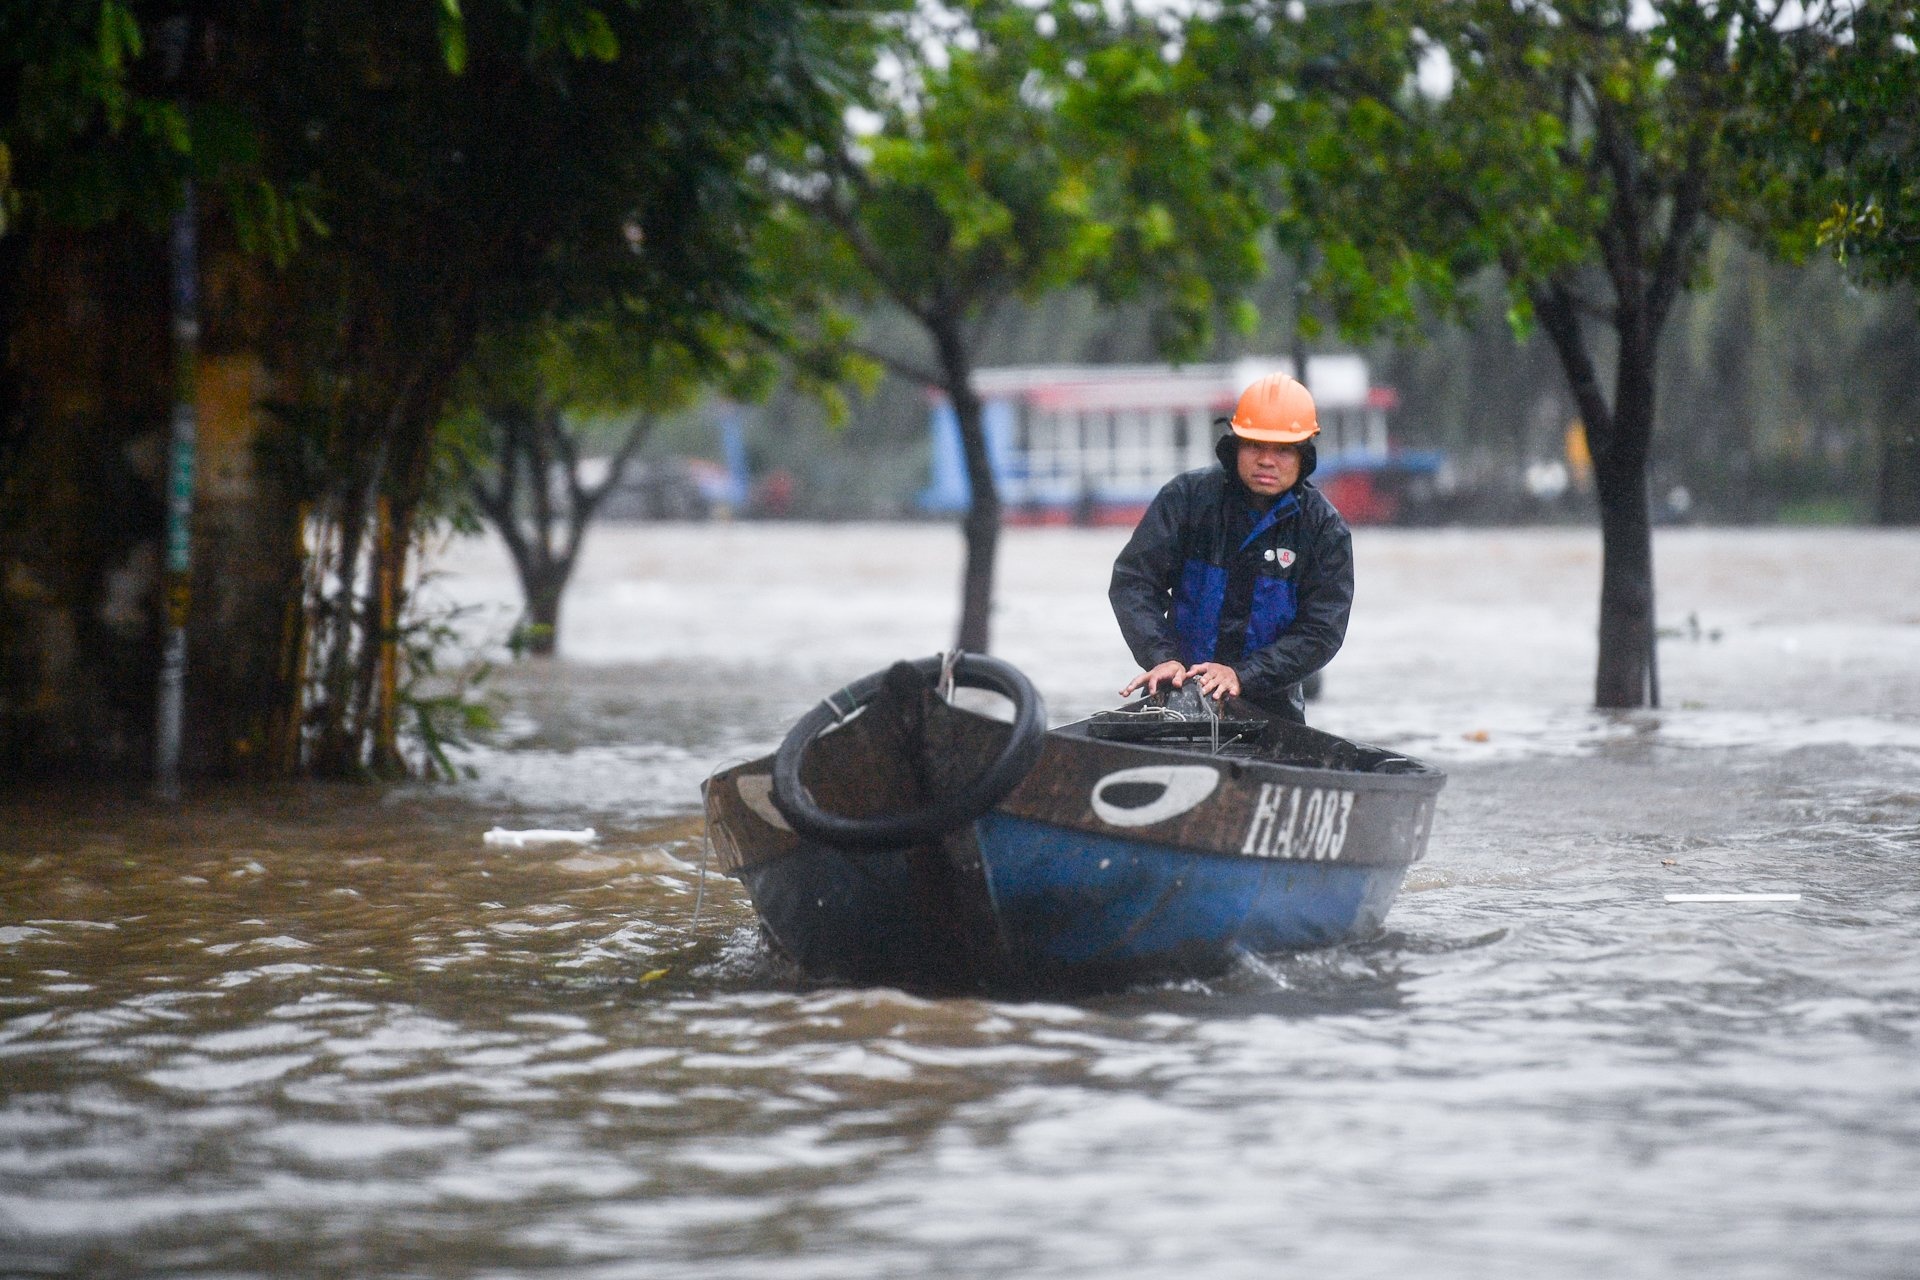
point(1094, 443)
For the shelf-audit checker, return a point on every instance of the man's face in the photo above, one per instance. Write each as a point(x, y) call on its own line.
point(1269, 469)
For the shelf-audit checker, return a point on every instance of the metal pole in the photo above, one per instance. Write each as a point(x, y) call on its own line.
point(386, 754)
point(176, 581)
point(1299, 352)
point(1652, 686)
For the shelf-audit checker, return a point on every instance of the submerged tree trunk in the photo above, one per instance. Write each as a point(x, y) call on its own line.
point(1625, 675)
point(368, 405)
point(80, 508)
point(16, 257)
point(544, 587)
point(1897, 501)
point(982, 524)
point(81, 520)
point(1619, 435)
point(534, 447)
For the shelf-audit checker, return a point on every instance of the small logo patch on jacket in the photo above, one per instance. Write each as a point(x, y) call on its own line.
point(1284, 556)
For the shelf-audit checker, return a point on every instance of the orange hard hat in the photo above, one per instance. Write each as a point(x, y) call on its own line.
point(1276, 409)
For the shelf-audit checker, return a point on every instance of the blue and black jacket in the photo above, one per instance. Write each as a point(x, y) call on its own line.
point(1209, 577)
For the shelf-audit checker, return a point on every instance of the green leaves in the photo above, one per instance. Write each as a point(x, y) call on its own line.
point(1153, 118)
point(1154, 226)
point(1554, 142)
point(1835, 158)
point(119, 35)
point(592, 37)
point(582, 30)
point(968, 192)
point(453, 36)
point(270, 221)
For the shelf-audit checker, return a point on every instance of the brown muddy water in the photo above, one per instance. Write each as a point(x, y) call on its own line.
point(331, 1032)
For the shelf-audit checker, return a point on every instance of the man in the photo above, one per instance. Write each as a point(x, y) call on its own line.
point(1240, 576)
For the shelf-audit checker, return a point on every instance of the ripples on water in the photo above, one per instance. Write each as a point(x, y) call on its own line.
point(329, 1032)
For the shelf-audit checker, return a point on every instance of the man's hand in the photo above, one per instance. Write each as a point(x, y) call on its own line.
point(1169, 672)
point(1217, 679)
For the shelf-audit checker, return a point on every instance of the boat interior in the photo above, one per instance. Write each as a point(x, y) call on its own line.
point(910, 744)
point(1185, 719)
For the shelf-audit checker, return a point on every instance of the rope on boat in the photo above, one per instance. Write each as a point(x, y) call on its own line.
point(706, 837)
point(1162, 712)
point(1148, 713)
point(700, 892)
point(840, 712)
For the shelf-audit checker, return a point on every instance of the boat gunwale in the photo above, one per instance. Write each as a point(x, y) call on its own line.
point(1426, 780)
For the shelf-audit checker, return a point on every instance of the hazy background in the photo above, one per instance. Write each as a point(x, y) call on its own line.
point(1776, 383)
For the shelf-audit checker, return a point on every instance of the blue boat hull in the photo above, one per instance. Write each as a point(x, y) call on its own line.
point(1071, 905)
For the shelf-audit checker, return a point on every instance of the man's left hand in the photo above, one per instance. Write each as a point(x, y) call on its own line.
point(1217, 679)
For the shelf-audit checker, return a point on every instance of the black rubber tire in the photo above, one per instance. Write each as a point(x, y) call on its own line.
point(892, 830)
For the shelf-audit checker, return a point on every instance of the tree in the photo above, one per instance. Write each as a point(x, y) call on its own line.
point(428, 174)
point(1582, 148)
point(519, 446)
point(587, 157)
point(112, 115)
point(960, 199)
point(1838, 164)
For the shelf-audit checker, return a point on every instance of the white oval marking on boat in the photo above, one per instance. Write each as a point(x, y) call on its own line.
point(756, 792)
point(1151, 793)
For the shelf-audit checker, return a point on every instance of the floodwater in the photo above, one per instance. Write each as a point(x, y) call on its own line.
point(331, 1032)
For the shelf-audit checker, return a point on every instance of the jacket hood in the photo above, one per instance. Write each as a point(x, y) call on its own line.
point(1227, 449)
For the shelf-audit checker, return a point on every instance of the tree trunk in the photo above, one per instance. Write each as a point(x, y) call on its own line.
point(81, 522)
point(1625, 675)
point(247, 572)
point(16, 257)
point(542, 536)
point(544, 587)
point(1619, 436)
point(80, 509)
point(982, 523)
point(1898, 500)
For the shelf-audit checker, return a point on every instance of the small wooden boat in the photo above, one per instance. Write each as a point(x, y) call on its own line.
point(898, 839)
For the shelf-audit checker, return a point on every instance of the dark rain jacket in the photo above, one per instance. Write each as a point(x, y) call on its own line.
point(1208, 577)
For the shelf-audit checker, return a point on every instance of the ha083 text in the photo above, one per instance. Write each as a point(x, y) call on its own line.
point(1299, 823)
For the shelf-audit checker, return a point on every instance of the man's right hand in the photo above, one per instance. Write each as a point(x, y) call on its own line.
point(1173, 673)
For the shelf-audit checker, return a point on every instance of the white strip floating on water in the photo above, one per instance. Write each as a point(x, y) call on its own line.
point(539, 835)
point(1733, 897)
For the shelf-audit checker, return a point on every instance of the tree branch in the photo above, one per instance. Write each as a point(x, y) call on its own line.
point(1670, 268)
point(1620, 234)
point(617, 465)
point(498, 504)
point(568, 448)
point(899, 365)
point(492, 500)
point(1560, 317)
point(587, 499)
point(841, 219)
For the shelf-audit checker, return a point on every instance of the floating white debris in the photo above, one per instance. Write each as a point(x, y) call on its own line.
point(1733, 897)
point(539, 835)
